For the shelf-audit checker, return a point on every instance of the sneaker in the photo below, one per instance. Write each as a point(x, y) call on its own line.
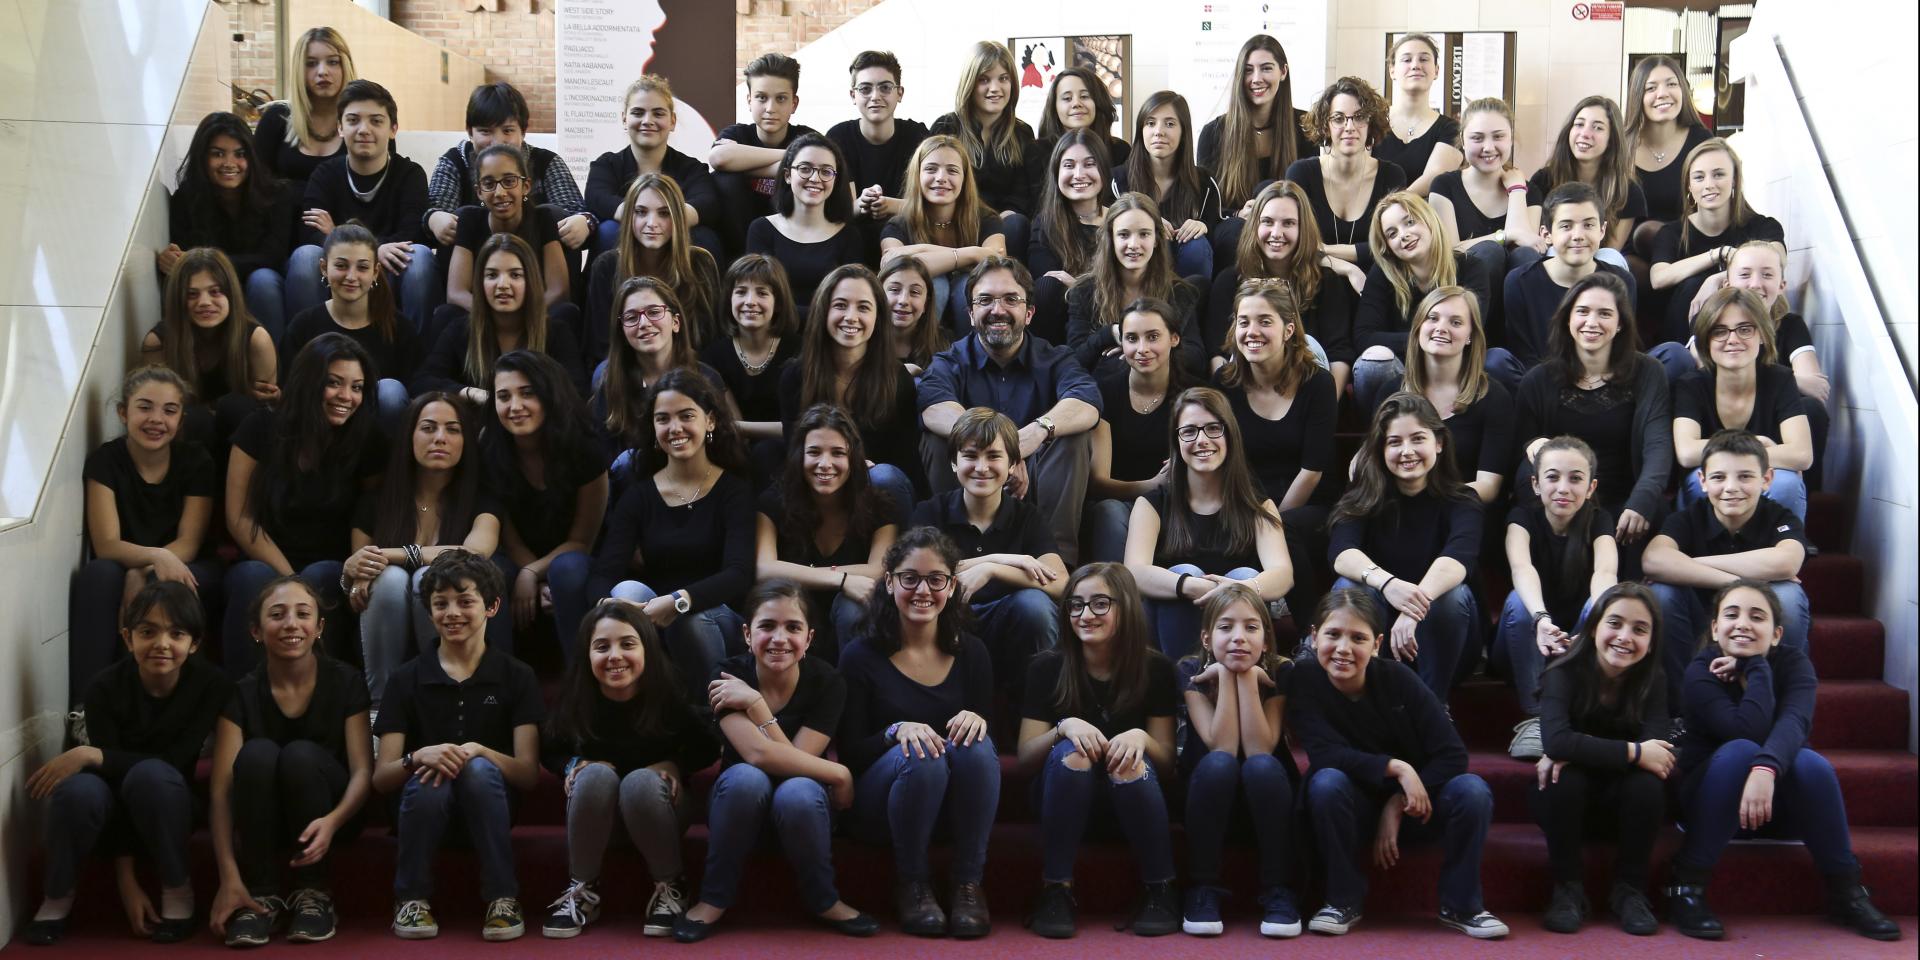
point(1279, 917)
point(77, 727)
point(1201, 918)
point(253, 928)
point(1480, 926)
point(1568, 909)
point(1053, 913)
point(312, 917)
point(1334, 921)
point(668, 903)
point(503, 920)
point(1159, 912)
point(413, 920)
point(1630, 907)
point(577, 907)
point(1526, 740)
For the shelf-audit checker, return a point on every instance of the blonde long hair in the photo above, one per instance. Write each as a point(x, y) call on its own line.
point(977, 140)
point(1473, 363)
point(967, 210)
point(679, 271)
point(299, 102)
point(1406, 285)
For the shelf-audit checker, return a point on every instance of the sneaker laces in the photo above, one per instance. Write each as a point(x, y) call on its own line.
point(77, 727)
point(414, 913)
point(575, 900)
point(310, 903)
point(667, 898)
point(505, 908)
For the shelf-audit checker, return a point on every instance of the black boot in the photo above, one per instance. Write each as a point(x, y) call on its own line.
point(1687, 906)
point(1850, 905)
point(1567, 910)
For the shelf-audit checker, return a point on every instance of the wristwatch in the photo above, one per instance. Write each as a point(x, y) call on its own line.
point(1047, 424)
point(406, 761)
point(682, 602)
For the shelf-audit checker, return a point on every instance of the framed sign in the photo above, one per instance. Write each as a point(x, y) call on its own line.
point(1039, 59)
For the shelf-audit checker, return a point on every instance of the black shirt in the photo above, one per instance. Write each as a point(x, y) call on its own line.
point(1090, 335)
point(394, 214)
point(311, 515)
point(705, 547)
point(280, 158)
point(1328, 319)
point(990, 226)
point(1159, 698)
point(366, 519)
point(1548, 550)
point(1209, 551)
point(807, 263)
point(1412, 157)
point(1017, 527)
point(1483, 434)
point(432, 708)
point(1628, 422)
point(1277, 450)
point(1395, 718)
point(1531, 297)
point(259, 241)
point(1408, 534)
point(1193, 747)
point(804, 548)
point(538, 227)
point(1664, 188)
point(1467, 215)
point(1790, 337)
point(757, 395)
point(445, 365)
point(1043, 259)
point(339, 692)
point(611, 173)
point(684, 738)
point(1208, 149)
point(819, 697)
point(1380, 321)
point(883, 164)
point(1386, 179)
point(1633, 207)
point(1139, 440)
point(756, 191)
point(1670, 245)
point(894, 440)
point(543, 517)
point(1598, 737)
point(1002, 186)
point(150, 512)
point(1037, 378)
point(129, 725)
point(1698, 532)
point(602, 284)
point(1776, 400)
point(395, 359)
point(879, 695)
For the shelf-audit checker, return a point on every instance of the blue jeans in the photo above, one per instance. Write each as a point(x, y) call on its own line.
point(153, 800)
point(390, 406)
point(479, 796)
point(1448, 637)
point(1106, 533)
point(900, 799)
point(1788, 489)
point(737, 810)
point(1067, 801)
point(1505, 368)
point(244, 582)
point(1376, 380)
point(1176, 623)
point(1344, 816)
point(1674, 359)
point(567, 581)
point(1684, 621)
point(697, 641)
point(419, 287)
point(1523, 657)
point(898, 487)
point(1218, 781)
point(303, 287)
point(1015, 626)
point(1194, 259)
point(93, 625)
point(267, 301)
point(1806, 804)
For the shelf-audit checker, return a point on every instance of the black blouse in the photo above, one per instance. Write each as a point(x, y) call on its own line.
point(1139, 439)
point(1302, 439)
point(807, 263)
point(1412, 157)
point(1307, 173)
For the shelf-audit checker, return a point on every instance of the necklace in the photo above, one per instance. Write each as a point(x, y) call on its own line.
point(695, 494)
point(942, 224)
point(1589, 381)
point(366, 196)
point(1149, 405)
point(756, 369)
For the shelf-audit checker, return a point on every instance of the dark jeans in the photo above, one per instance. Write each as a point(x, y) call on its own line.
point(1806, 805)
point(1015, 626)
point(1345, 815)
point(567, 581)
point(1176, 622)
point(1684, 619)
point(737, 814)
point(900, 799)
point(1522, 657)
point(1069, 798)
point(277, 791)
point(1626, 803)
point(245, 581)
point(1217, 783)
point(85, 808)
point(1106, 530)
point(93, 625)
point(1448, 638)
point(479, 796)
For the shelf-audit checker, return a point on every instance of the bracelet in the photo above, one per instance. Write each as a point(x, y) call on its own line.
point(762, 727)
point(412, 551)
point(1387, 582)
point(1516, 188)
point(1180, 585)
point(345, 582)
point(843, 582)
point(1636, 752)
point(1540, 615)
point(1762, 766)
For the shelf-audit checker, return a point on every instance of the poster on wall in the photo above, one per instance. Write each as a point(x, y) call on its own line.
point(1472, 65)
point(1208, 35)
point(600, 48)
point(1040, 59)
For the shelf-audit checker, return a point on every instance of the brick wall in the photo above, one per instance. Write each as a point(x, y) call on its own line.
point(784, 26)
point(254, 52)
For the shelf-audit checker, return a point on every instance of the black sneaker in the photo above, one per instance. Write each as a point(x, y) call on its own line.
point(1854, 909)
point(1159, 912)
point(173, 930)
point(1480, 926)
point(1201, 916)
point(1630, 907)
point(1334, 921)
point(1053, 912)
point(578, 906)
point(668, 903)
point(253, 928)
point(1687, 910)
point(312, 919)
point(1568, 909)
point(1278, 915)
point(45, 933)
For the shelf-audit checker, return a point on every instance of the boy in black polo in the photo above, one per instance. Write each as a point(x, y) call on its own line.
point(458, 728)
point(746, 156)
point(1735, 532)
point(1009, 568)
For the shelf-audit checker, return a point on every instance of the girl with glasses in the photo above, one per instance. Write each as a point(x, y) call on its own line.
point(808, 232)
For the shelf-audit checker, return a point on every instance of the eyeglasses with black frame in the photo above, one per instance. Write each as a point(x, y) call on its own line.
point(910, 580)
point(1214, 430)
point(1099, 605)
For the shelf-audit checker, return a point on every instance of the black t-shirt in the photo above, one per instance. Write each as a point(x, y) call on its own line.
point(311, 514)
point(759, 196)
point(1412, 157)
point(1193, 747)
point(543, 516)
point(705, 547)
point(1333, 230)
point(1634, 207)
point(1671, 245)
point(1207, 149)
point(1467, 216)
point(1665, 188)
point(1549, 550)
point(1790, 337)
point(394, 359)
point(1139, 439)
point(757, 395)
point(1328, 319)
point(422, 702)
point(1483, 434)
point(1277, 450)
point(884, 164)
point(1209, 551)
point(807, 263)
point(1160, 698)
point(1002, 186)
point(1776, 400)
point(684, 738)
point(150, 512)
point(990, 226)
point(1017, 527)
point(1408, 533)
point(339, 692)
point(805, 549)
point(366, 518)
point(819, 697)
point(538, 227)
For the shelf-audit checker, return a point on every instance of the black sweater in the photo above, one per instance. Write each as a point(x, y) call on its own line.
point(261, 241)
point(128, 725)
point(1541, 413)
point(1600, 737)
point(611, 173)
point(395, 212)
point(1090, 336)
point(685, 738)
point(1395, 718)
point(705, 547)
point(1381, 323)
point(1774, 708)
point(879, 695)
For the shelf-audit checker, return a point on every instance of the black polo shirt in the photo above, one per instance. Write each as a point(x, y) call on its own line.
point(1017, 527)
point(430, 707)
point(1698, 533)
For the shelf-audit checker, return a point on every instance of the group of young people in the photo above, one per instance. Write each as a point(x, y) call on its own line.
point(1059, 471)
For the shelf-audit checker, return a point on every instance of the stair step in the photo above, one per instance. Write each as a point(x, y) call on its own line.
point(1829, 521)
point(1847, 647)
point(1833, 582)
point(1866, 714)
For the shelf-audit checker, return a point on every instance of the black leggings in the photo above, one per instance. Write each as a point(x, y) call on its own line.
point(277, 791)
point(1628, 803)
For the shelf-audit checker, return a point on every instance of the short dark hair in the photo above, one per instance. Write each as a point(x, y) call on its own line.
point(1738, 443)
point(361, 91)
point(775, 65)
point(174, 600)
point(458, 569)
point(839, 205)
point(875, 58)
point(979, 427)
point(492, 104)
point(1573, 191)
point(1021, 274)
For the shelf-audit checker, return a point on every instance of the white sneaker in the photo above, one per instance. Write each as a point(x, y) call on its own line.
point(668, 902)
point(1526, 740)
